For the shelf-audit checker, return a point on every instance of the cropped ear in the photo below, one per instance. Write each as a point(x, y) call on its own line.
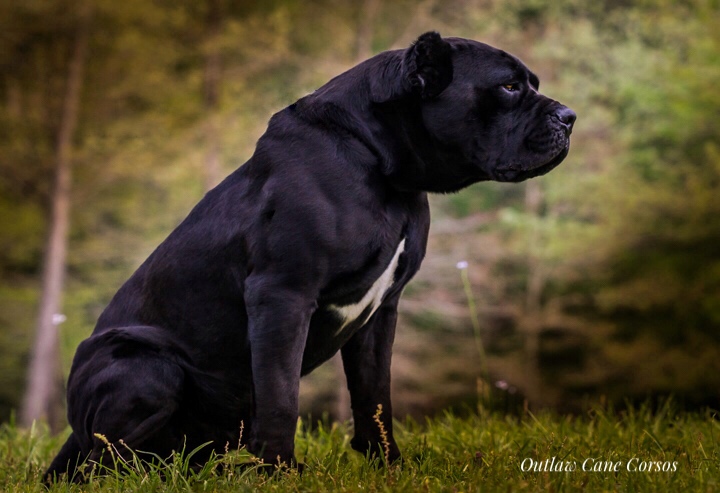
point(427, 65)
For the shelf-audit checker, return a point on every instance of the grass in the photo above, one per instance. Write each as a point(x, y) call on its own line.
point(484, 451)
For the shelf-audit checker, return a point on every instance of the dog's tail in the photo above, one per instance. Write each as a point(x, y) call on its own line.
point(66, 463)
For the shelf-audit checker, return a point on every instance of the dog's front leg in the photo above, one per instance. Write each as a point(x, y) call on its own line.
point(366, 359)
point(278, 321)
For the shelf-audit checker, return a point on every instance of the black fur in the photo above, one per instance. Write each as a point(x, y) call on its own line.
point(219, 323)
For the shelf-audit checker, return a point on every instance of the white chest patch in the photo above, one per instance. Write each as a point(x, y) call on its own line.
point(374, 296)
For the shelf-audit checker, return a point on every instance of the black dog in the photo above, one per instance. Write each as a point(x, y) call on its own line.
point(302, 252)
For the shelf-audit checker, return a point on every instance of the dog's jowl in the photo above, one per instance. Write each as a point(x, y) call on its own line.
point(301, 252)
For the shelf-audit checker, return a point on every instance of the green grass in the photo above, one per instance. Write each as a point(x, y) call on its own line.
point(481, 452)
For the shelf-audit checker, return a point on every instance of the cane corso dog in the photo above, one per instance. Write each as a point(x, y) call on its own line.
point(304, 251)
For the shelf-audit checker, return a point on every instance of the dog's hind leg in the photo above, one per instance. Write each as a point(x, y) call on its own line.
point(66, 462)
point(149, 441)
point(128, 406)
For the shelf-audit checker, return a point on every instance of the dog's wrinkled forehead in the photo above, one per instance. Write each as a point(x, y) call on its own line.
point(488, 65)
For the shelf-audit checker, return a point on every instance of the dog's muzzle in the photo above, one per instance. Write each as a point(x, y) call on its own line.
point(552, 137)
point(565, 118)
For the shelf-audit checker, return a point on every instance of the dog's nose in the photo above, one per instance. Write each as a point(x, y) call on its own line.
point(567, 117)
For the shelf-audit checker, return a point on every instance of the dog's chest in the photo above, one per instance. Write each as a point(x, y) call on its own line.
point(357, 314)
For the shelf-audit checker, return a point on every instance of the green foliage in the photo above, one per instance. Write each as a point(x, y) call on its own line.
point(659, 276)
point(627, 232)
point(623, 243)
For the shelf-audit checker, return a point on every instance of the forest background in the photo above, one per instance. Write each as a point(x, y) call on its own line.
point(599, 281)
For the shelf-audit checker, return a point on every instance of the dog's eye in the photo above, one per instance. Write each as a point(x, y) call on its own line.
point(510, 87)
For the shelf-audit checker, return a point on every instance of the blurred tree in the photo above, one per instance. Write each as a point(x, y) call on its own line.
point(609, 264)
point(629, 246)
point(45, 125)
point(43, 394)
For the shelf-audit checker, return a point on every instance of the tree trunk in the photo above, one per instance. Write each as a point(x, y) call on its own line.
point(534, 287)
point(43, 396)
point(533, 204)
point(213, 23)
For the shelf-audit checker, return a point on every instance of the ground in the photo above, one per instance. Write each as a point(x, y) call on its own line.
point(475, 450)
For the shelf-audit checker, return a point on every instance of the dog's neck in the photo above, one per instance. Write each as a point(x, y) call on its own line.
point(416, 161)
point(371, 103)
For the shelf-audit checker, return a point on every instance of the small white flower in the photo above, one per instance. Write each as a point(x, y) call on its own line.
point(462, 265)
point(501, 384)
point(58, 318)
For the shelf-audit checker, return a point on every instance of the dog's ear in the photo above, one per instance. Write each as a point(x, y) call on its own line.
point(427, 66)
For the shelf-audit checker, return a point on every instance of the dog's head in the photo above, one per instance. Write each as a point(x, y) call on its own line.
point(481, 110)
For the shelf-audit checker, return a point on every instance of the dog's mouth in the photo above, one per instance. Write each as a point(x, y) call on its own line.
point(515, 174)
point(553, 162)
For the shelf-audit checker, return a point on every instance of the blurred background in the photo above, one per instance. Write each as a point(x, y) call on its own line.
point(597, 282)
